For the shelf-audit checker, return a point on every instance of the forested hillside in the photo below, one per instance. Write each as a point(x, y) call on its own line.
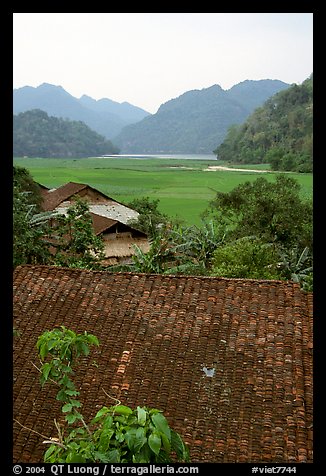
point(196, 121)
point(279, 133)
point(104, 116)
point(35, 134)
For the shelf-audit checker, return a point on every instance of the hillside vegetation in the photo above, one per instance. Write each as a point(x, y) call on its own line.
point(35, 134)
point(279, 133)
point(104, 116)
point(196, 121)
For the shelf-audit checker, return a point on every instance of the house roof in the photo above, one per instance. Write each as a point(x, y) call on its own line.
point(227, 360)
point(109, 208)
point(56, 196)
point(115, 211)
point(101, 223)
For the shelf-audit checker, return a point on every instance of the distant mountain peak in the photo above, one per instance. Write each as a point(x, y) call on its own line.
point(50, 86)
point(197, 121)
point(104, 116)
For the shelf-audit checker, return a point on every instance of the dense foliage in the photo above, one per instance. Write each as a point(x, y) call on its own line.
point(28, 232)
point(104, 116)
point(24, 182)
point(72, 235)
point(279, 133)
point(35, 134)
point(150, 218)
point(260, 230)
point(48, 237)
point(196, 121)
point(273, 211)
point(117, 434)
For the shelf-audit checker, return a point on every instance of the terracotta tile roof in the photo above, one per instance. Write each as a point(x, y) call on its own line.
point(227, 360)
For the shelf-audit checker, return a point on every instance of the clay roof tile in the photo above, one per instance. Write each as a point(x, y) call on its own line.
point(229, 361)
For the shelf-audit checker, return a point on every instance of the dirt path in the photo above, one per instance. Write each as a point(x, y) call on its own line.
point(213, 168)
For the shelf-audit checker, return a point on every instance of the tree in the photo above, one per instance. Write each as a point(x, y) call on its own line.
point(246, 257)
point(36, 134)
point(272, 211)
point(284, 122)
point(24, 182)
point(150, 219)
point(297, 265)
point(117, 434)
point(29, 230)
point(74, 239)
point(195, 245)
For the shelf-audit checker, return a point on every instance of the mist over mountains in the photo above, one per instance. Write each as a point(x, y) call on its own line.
point(104, 116)
point(196, 122)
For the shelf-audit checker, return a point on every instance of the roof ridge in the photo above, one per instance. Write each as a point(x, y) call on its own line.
point(134, 273)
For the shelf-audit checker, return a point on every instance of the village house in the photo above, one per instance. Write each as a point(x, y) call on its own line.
point(110, 219)
point(228, 361)
point(119, 240)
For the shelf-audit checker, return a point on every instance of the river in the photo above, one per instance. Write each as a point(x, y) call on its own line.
point(164, 156)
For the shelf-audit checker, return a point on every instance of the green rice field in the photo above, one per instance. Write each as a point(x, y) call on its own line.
point(182, 185)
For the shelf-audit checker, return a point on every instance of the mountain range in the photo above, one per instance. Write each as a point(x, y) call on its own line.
point(104, 116)
point(195, 122)
point(279, 133)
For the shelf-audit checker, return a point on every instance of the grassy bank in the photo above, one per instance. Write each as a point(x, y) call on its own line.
point(182, 186)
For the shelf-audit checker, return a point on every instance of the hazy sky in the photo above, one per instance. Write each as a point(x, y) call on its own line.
point(149, 58)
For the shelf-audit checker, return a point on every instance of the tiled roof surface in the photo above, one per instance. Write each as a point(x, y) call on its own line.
point(229, 361)
point(115, 211)
point(109, 208)
point(54, 197)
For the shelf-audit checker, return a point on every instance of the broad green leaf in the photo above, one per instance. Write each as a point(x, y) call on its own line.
point(130, 437)
point(67, 407)
point(102, 457)
point(143, 456)
point(135, 439)
point(84, 348)
point(49, 452)
point(141, 415)
point(108, 421)
point(71, 418)
point(103, 411)
point(161, 424)
point(75, 458)
point(113, 456)
point(72, 393)
point(105, 439)
point(179, 447)
point(92, 339)
point(166, 443)
point(122, 410)
point(154, 442)
point(43, 350)
point(46, 369)
point(75, 403)
point(52, 343)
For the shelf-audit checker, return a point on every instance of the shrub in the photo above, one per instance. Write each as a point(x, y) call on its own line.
point(117, 434)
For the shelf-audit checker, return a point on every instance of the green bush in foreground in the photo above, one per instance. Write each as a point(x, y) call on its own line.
point(117, 434)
